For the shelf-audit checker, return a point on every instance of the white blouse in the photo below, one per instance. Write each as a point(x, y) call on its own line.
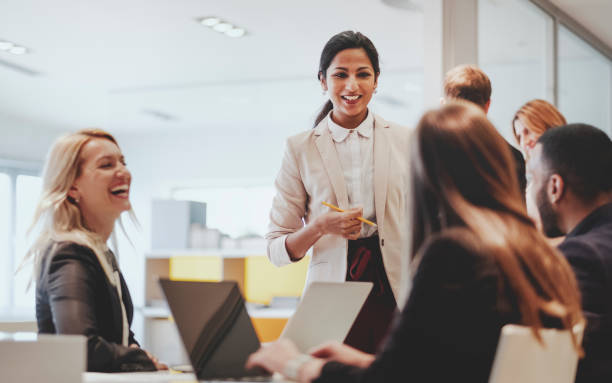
point(355, 149)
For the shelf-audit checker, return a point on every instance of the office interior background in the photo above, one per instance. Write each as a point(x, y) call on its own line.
point(203, 116)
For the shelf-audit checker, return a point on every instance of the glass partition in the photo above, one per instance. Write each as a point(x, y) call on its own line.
point(585, 82)
point(513, 41)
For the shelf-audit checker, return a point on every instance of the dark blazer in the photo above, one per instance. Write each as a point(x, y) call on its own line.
point(450, 326)
point(588, 248)
point(74, 296)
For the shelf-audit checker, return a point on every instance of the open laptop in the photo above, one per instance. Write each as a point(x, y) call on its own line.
point(326, 312)
point(218, 334)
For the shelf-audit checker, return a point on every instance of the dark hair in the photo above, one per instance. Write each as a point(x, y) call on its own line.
point(582, 155)
point(462, 176)
point(339, 42)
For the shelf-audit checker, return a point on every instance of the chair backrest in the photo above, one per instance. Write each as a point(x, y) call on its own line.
point(520, 357)
point(29, 357)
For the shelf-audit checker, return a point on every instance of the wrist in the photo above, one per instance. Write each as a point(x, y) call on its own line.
point(318, 226)
point(293, 366)
point(366, 360)
point(311, 370)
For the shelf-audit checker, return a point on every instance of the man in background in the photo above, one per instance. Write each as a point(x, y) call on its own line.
point(467, 82)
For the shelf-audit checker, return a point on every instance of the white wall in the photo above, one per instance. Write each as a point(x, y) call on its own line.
point(24, 140)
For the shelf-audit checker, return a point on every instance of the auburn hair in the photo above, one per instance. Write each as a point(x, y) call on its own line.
point(462, 176)
point(538, 116)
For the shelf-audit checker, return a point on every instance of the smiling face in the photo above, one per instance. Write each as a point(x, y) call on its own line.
point(526, 137)
point(103, 186)
point(350, 81)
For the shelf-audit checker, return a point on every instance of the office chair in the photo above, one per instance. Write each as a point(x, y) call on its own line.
point(520, 357)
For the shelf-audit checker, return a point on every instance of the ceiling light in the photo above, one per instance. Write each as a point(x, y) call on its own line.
point(210, 21)
point(235, 32)
point(223, 27)
point(6, 45)
point(17, 50)
point(409, 5)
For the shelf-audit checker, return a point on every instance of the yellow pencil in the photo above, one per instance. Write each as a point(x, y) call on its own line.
point(336, 208)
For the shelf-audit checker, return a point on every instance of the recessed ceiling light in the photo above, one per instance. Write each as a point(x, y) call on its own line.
point(210, 21)
point(223, 27)
point(17, 50)
point(235, 32)
point(6, 45)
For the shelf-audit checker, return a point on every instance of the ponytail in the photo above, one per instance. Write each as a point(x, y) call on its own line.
point(324, 112)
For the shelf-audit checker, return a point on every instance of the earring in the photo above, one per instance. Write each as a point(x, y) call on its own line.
point(324, 92)
point(375, 90)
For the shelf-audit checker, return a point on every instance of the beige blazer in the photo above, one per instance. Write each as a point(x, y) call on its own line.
point(311, 173)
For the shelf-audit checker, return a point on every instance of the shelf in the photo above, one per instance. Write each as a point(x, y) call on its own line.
point(223, 253)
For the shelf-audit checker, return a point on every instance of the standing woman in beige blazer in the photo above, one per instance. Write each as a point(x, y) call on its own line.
point(357, 161)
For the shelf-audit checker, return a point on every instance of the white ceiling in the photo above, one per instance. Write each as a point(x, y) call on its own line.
point(114, 63)
point(594, 15)
point(120, 65)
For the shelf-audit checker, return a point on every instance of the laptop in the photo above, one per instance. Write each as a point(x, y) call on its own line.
point(218, 334)
point(338, 303)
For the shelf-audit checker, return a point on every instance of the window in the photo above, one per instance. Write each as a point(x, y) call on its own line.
point(28, 192)
point(585, 81)
point(5, 238)
point(513, 41)
point(19, 192)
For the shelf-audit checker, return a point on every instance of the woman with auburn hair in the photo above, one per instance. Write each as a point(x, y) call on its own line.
point(480, 264)
point(532, 120)
point(79, 288)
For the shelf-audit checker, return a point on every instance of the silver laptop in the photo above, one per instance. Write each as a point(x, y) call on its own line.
point(326, 313)
point(218, 334)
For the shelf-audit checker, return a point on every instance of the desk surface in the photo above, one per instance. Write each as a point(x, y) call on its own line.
point(145, 377)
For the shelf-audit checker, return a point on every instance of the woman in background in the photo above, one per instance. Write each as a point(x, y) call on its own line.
point(480, 264)
point(528, 124)
point(79, 288)
point(355, 160)
point(532, 120)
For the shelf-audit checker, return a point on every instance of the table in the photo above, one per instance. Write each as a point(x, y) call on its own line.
point(149, 377)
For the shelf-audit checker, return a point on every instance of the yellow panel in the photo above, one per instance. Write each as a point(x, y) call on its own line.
point(269, 329)
point(196, 268)
point(263, 280)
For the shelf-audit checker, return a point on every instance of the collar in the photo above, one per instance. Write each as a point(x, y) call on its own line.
point(597, 217)
point(339, 133)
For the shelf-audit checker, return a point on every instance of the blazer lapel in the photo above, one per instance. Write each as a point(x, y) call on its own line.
point(327, 150)
point(381, 168)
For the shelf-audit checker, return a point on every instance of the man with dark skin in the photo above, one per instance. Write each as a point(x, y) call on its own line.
point(570, 182)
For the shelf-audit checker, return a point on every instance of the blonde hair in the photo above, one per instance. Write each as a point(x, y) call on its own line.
point(57, 214)
point(467, 82)
point(538, 116)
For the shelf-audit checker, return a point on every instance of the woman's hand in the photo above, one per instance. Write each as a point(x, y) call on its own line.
point(274, 357)
point(338, 352)
point(345, 224)
point(158, 365)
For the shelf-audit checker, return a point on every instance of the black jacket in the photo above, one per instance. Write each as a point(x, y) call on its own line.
point(588, 248)
point(450, 326)
point(74, 296)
